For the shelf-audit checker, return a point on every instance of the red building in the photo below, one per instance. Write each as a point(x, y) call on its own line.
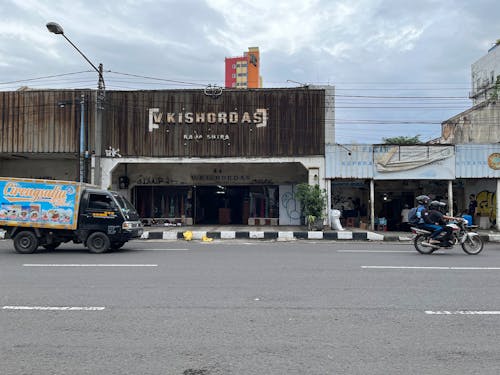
point(243, 71)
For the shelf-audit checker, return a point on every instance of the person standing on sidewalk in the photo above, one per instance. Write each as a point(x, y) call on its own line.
point(404, 218)
point(472, 207)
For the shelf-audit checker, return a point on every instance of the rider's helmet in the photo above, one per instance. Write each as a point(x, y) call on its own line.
point(437, 205)
point(423, 199)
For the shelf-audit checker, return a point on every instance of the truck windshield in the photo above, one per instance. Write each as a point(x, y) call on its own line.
point(127, 208)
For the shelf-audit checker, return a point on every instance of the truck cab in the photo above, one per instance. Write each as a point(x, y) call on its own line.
point(106, 220)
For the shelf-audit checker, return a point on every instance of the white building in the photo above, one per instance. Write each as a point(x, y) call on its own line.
point(485, 73)
point(480, 123)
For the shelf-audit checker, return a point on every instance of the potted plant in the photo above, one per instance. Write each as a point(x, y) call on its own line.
point(313, 202)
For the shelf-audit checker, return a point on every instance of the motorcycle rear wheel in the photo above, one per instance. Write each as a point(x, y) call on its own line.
point(473, 245)
point(417, 242)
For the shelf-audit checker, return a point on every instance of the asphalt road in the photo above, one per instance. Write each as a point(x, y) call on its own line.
point(236, 307)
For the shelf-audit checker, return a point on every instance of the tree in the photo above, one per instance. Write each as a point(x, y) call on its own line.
point(313, 201)
point(403, 140)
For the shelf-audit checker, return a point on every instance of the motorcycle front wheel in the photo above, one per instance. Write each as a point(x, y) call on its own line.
point(473, 245)
point(422, 249)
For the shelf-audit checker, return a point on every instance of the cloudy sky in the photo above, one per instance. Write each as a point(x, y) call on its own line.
point(400, 67)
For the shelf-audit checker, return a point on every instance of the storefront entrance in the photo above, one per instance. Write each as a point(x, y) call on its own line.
point(352, 198)
point(212, 193)
point(217, 204)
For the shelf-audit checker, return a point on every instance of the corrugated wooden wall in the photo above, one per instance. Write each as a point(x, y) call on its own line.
point(36, 121)
point(295, 125)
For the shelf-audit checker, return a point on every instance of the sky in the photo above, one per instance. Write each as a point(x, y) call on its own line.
point(399, 67)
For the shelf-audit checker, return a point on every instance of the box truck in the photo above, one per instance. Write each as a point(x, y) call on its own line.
point(46, 213)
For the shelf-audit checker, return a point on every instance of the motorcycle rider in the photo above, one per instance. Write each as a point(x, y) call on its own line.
point(435, 221)
point(423, 201)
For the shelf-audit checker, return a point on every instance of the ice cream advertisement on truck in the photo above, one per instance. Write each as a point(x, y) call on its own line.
point(36, 203)
point(46, 213)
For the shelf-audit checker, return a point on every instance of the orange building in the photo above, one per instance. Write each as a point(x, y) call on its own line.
point(243, 71)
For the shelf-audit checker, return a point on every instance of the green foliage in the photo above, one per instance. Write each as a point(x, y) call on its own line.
point(496, 90)
point(313, 201)
point(402, 140)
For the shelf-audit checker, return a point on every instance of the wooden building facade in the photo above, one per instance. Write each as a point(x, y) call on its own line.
point(181, 155)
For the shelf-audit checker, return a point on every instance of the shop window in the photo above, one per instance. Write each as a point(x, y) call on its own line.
point(263, 201)
point(163, 202)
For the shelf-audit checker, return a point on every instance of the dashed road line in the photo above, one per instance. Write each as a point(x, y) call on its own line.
point(164, 250)
point(86, 265)
point(432, 268)
point(463, 312)
point(374, 251)
point(55, 308)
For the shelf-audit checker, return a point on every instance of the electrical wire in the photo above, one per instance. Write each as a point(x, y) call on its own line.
point(343, 103)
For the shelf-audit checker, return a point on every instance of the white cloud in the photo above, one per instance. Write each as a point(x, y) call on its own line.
point(402, 38)
point(334, 27)
point(287, 26)
point(312, 41)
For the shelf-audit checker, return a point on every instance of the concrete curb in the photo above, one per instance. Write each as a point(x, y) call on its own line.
point(271, 235)
point(295, 235)
point(288, 236)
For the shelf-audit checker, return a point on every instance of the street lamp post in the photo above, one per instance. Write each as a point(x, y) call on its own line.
point(82, 138)
point(57, 29)
point(83, 153)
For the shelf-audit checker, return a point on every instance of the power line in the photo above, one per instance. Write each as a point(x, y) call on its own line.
point(44, 77)
point(156, 79)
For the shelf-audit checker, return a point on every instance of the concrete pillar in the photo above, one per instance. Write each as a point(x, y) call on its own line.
point(372, 205)
point(498, 205)
point(450, 198)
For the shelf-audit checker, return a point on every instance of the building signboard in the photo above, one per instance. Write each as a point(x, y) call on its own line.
point(394, 162)
point(238, 123)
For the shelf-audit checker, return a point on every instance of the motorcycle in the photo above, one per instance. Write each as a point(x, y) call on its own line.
point(461, 234)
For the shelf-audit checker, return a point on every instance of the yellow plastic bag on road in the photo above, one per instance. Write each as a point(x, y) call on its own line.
point(188, 235)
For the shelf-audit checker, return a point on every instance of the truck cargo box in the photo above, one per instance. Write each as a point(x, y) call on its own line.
point(39, 203)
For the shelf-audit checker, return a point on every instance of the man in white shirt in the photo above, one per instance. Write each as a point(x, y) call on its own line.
point(404, 218)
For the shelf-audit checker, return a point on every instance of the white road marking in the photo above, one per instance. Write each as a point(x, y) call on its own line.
point(86, 265)
point(374, 251)
point(431, 268)
point(164, 249)
point(463, 312)
point(55, 308)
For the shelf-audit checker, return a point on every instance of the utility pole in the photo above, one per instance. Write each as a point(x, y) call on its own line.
point(82, 138)
point(99, 111)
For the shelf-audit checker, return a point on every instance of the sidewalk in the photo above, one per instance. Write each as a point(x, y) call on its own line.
point(284, 233)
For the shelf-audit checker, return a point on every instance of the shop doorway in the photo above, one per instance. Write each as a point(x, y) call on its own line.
point(220, 205)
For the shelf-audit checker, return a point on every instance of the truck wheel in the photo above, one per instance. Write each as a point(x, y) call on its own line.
point(98, 243)
point(25, 242)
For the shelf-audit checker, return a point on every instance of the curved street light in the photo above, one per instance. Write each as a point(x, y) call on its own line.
point(57, 29)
